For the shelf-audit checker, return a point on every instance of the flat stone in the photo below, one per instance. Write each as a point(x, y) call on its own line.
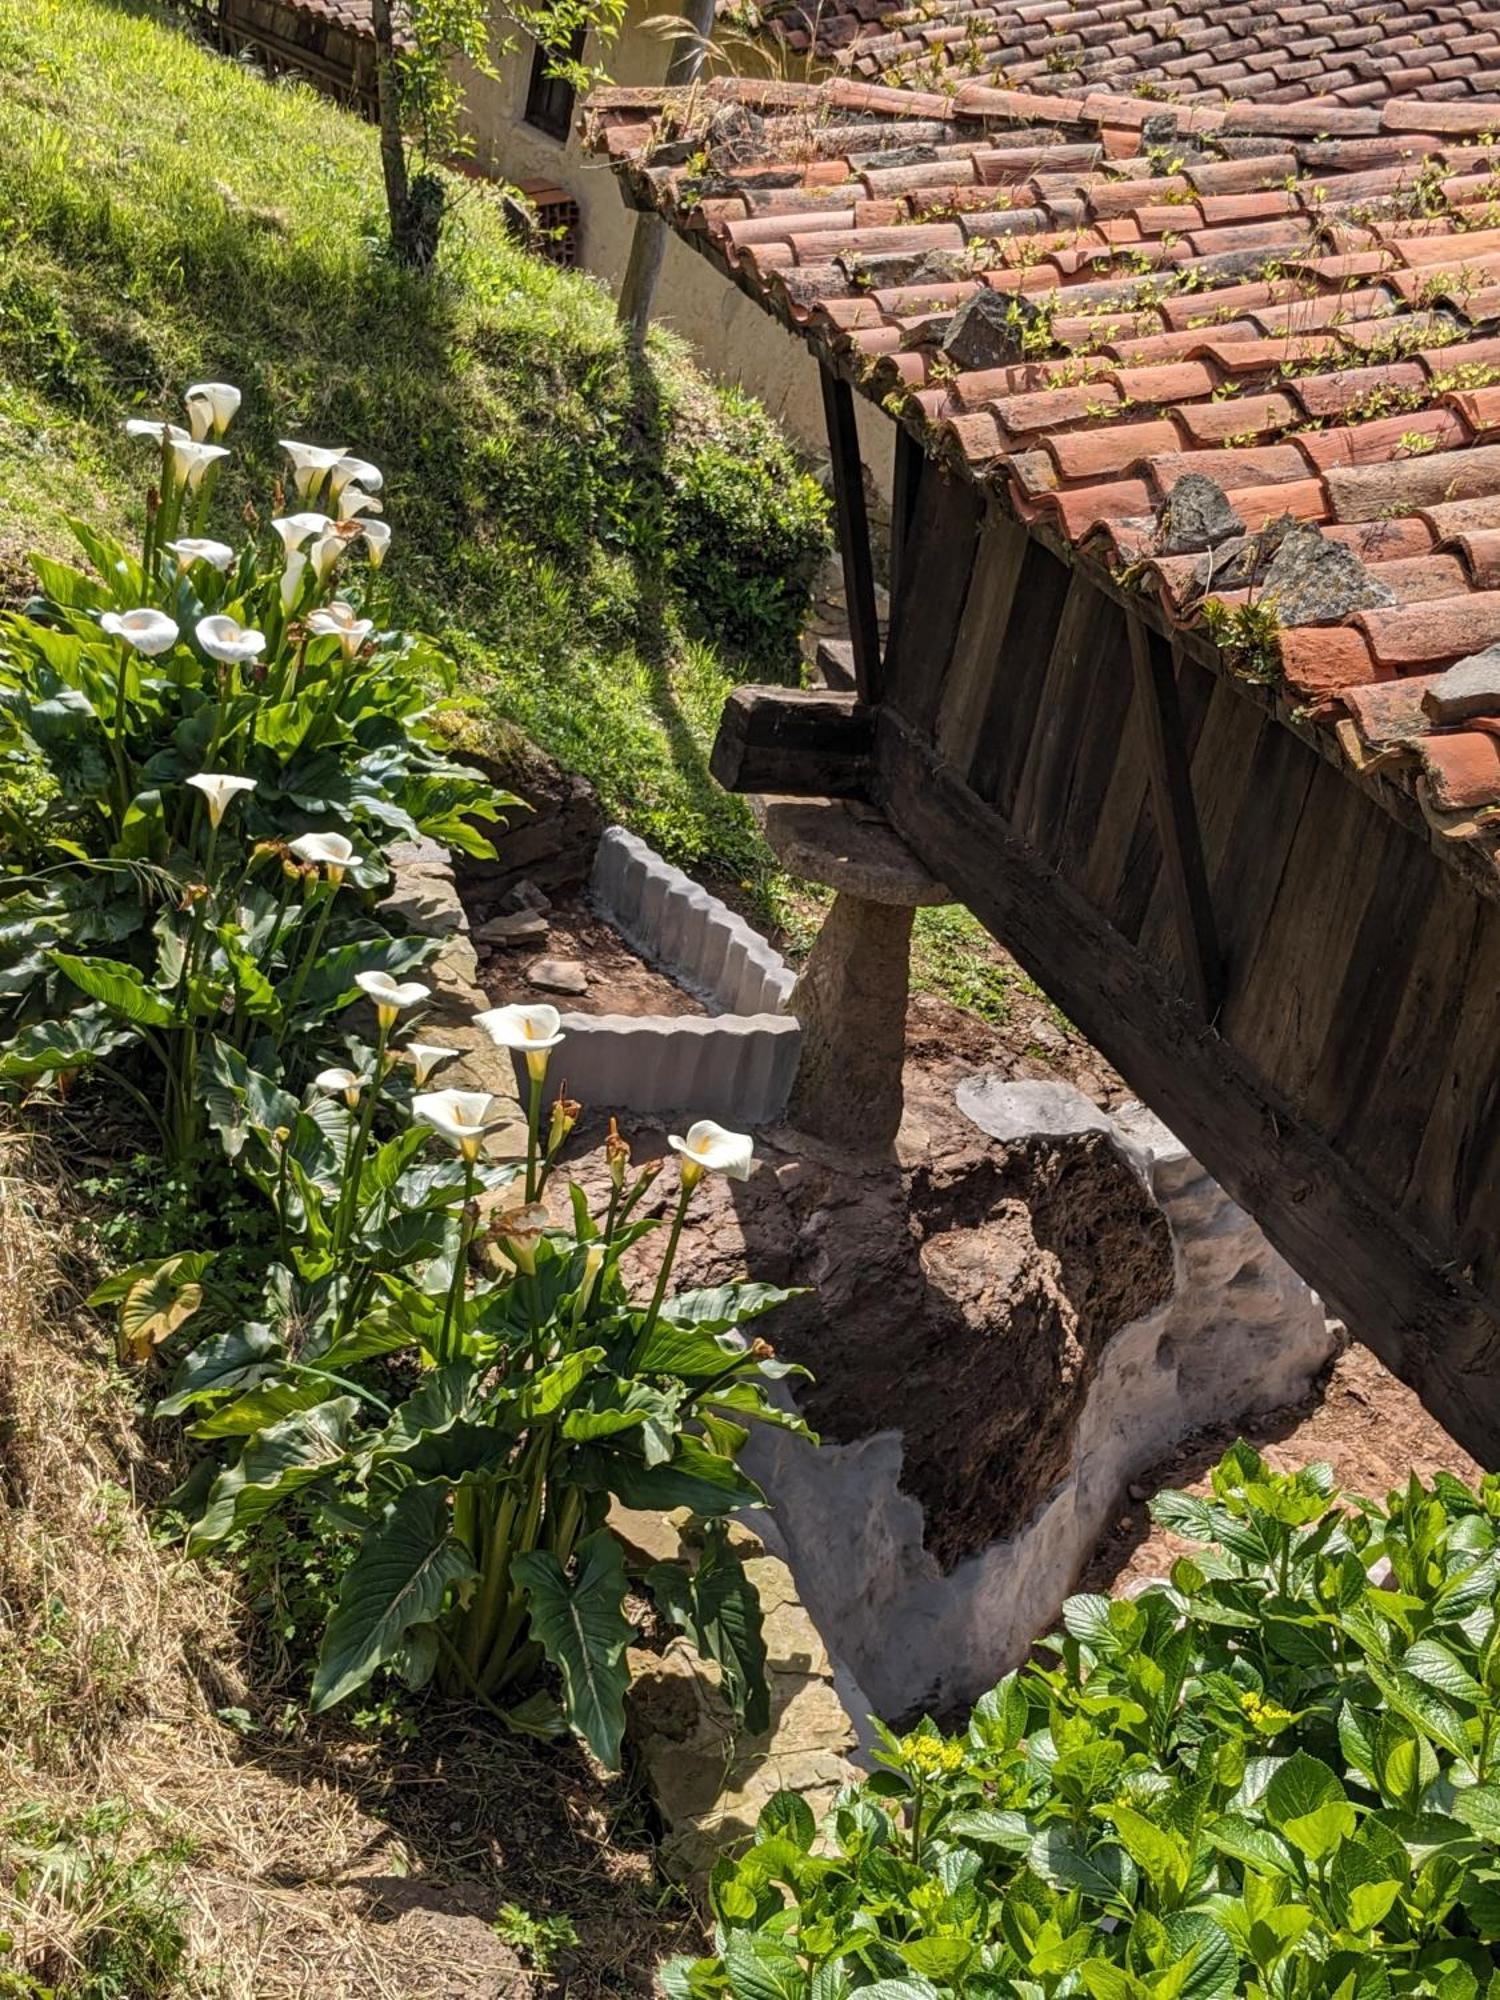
point(1314, 581)
point(558, 975)
point(1195, 515)
point(1472, 687)
point(851, 847)
point(1009, 1111)
point(986, 330)
point(525, 895)
point(519, 927)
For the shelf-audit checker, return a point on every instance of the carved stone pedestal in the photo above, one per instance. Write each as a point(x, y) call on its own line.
point(851, 997)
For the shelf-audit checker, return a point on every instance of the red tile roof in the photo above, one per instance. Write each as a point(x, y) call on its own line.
point(1265, 51)
point(1085, 302)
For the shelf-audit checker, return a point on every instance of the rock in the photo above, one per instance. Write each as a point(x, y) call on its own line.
point(851, 1001)
point(548, 841)
point(852, 848)
point(1042, 1110)
point(558, 975)
point(1314, 581)
point(1470, 688)
point(986, 330)
point(1195, 515)
point(525, 895)
point(520, 927)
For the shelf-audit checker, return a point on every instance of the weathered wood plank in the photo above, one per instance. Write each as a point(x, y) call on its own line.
point(853, 532)
point(1285, 1003)
point(937, 570)
point(1244, 885)
point(1451, 1192)
point(906, 482)
point(1374, 1269)
point(968, 683)
point(1176, 814)
point(807, 742)
point(1069, 693)
point(1004, 735)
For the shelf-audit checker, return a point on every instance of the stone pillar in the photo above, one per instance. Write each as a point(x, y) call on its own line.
point(851, 997)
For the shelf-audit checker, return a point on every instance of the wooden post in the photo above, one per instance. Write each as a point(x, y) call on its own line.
point(854, 533)
point(648, 246)
point(1176, 815)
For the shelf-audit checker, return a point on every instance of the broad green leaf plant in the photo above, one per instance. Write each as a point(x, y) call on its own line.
point(1272, 1774)
point(205, 752)
point(448, 1364)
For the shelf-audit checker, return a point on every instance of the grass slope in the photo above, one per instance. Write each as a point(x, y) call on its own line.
point(568, 525)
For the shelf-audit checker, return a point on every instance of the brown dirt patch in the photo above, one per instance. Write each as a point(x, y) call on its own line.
point(620, 981)
point(960, 1293)
point(1368, 1425)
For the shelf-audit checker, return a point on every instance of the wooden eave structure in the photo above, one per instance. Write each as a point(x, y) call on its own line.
point(1287, 954)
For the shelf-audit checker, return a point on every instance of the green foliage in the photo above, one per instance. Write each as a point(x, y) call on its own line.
point(1273, 1776)
point(200, 712)
point(540, 1941)
point(524, 451)
point(465, 1434)
point(100, 1886)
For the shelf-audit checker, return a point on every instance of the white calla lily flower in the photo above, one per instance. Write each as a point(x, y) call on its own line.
point(295, 529)
point(326, 850)
point(157, 429)
point(211, 406)
point(352, 471)
point(291, 578)
point(354, 501)
point(338, 620)
point(201, 548)
point(227, 641)
point(529, 1031)
point(377, 539)
point(711, 1149)
point(190, 460)
point(220, 790)
point(426, 1057)
point(390, 996)
point(455, 1115)
point(340, 1083)
point(148, 632)
point(311, 463)
point(326, 551)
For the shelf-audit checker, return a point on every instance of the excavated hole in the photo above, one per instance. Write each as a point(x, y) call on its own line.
point(966, 1305)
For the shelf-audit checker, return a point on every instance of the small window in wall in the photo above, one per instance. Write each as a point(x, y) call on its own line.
point(549, 99)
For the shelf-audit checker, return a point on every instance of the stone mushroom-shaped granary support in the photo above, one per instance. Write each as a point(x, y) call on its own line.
point(851, 997)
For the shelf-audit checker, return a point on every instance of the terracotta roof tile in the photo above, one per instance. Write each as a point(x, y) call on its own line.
point(1270, 296)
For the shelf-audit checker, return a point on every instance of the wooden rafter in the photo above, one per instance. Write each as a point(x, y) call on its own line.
point(854, 534)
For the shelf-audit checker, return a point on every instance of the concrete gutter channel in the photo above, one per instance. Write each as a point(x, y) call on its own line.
point(863, 1620)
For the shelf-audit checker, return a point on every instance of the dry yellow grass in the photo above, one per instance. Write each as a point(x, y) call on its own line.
point(298, 1862)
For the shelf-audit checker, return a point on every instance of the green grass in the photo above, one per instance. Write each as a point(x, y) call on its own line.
point(588, 538)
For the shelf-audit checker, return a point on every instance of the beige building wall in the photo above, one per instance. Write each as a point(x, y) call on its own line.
point(733, 339)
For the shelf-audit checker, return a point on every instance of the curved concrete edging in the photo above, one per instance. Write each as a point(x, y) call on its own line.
point(735, 1063)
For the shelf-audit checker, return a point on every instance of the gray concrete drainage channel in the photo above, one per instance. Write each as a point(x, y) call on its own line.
point(735, 1063)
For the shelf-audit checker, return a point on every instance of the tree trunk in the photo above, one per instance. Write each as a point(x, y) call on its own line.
point(649, 244)
point(392, 146)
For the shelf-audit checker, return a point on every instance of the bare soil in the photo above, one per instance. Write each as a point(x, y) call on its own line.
point(620, 980)
point(1365, 1423)
point(960, 1275)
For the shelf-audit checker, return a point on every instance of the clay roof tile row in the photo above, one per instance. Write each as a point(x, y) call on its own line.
point(1296, 311)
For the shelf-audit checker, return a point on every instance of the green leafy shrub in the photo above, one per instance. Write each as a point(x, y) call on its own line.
point(745, 529)
point(1273, 1775)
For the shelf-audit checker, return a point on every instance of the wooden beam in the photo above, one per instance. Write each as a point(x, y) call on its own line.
point(907, 477)
point(806, 743)
point(1425, 1320)
point(854, 533)
point(1176, 815)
